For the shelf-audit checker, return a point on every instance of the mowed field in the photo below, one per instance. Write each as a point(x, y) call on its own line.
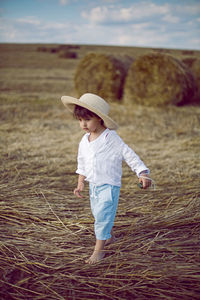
point(46, 233)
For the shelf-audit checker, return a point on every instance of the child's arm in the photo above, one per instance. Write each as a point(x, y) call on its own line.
point(137, 165)
point(80, 186)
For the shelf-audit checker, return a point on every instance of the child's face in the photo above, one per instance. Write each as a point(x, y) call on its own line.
point(91, 124)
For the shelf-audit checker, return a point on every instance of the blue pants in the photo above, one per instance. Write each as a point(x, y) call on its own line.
point(104, 201)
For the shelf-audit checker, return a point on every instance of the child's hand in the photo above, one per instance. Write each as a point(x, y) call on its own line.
point(145, 181)
point(78, 190)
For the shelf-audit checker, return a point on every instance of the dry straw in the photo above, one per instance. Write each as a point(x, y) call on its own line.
point(102, 74)
point(43, 248)
point(158, 79)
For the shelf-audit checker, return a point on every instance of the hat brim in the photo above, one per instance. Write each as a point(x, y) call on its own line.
point(70, 103)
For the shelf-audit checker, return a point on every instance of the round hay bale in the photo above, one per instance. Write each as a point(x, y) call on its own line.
point(102, 74)
point(196, 73)
point(67, 54)
point(194, 66)
point(158, 79)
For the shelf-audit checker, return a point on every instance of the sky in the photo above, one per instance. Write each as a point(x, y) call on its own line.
point(173, 24)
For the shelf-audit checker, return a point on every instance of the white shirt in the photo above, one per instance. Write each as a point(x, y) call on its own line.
point(100, 161)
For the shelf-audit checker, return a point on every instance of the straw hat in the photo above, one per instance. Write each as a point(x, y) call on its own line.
point(93, 103)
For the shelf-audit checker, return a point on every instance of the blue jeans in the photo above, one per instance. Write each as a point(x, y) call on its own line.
point(104, 201)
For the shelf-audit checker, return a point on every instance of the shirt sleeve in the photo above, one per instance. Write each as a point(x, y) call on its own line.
point(80, 161)
point(133, 160)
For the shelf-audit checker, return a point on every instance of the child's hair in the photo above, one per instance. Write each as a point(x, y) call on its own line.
point(82, 112)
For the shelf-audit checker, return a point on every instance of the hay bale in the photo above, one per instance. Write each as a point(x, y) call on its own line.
point(47, 49)
point(194, 66)
point(67, 54)
point(53, 50)
point(196, 73)
point(102, 74)
point(158, 79)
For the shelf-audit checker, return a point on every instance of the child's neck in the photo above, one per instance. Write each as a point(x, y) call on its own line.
point(95, 134)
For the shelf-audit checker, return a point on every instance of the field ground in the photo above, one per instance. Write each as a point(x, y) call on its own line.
point(46, 233)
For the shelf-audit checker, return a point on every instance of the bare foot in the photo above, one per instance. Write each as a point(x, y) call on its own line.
point(95, 257)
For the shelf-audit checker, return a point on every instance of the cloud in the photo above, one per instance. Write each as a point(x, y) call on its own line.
point(114, 14)
point(54, 26)
point(64, 2)
point(141, 34)
point(97, 15)
point(33, 30)
point(192, 9)
point(195, 42)
point(8, 32)
point(111, 1)
point(147, 23)
point(29, 20)
point(171, 19)
point(121, 14)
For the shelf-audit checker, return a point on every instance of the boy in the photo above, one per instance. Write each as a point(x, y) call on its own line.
point(100, 156)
